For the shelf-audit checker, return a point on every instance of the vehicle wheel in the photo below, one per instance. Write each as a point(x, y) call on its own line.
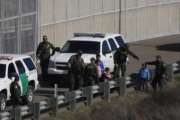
point(30, 95)
point(2, 102)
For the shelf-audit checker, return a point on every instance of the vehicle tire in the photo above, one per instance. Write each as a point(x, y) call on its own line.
point(2, 101)
point(30, 95)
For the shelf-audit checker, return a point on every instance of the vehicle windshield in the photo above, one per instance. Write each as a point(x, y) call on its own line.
point(2, 70)
point(89, 47)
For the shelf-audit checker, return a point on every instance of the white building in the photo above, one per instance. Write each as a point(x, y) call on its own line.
point(140, 19)
point(59, 19)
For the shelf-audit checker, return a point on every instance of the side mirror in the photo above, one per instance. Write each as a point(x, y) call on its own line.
point(57, 49)
point(12, 78)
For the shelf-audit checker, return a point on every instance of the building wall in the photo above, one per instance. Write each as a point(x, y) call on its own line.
point(140, 19)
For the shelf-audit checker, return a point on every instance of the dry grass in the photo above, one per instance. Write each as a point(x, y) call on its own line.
point(162, 105)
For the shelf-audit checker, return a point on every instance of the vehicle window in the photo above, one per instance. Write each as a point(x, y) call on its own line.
point(105, 47)
point(119, 40)
point(113, 44)
point(20, 67)
point(11, 70)
point(29, 64)
point(2, 70)
point(89, 47)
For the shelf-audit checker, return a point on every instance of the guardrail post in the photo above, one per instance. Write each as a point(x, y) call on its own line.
point(170, 72)
point(122, 86)
point(17, 113)
point(36, 111)
point(55, 101)
point(88, 93)
point(55, 90)
point(71, 99)
point(54, 106)
point(107, 91)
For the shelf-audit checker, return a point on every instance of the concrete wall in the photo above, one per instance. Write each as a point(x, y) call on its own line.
point(140, 19)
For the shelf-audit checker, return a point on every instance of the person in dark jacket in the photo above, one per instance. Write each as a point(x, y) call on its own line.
point(120, 60)
point(76, 69)
point(43, 54)
point(159, 72)
point(90, 73)
point(15, 91)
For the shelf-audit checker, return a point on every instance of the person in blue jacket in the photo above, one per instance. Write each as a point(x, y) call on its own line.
point(144, 77)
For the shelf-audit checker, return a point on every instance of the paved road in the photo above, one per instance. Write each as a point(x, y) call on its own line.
point(167, 47)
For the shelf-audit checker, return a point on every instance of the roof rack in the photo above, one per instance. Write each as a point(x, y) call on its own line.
point(100, 35)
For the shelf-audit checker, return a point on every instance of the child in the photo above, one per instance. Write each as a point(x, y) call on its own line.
point(106, 75)
point(144, 75)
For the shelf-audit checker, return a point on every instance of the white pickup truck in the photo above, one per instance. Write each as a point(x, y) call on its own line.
point(90, 44)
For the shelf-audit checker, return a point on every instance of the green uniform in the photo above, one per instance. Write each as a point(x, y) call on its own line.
point(15, 91)
point(43, 50)
point(120, 61)
point(160, 70)
point(90, 74)
point(44, 53)
point(76, 72)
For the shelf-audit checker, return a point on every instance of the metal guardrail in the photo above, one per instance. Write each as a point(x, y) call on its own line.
point(70, 98)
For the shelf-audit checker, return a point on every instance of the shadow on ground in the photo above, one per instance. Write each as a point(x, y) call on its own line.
point(175, 47)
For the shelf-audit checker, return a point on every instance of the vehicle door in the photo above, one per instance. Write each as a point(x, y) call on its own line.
point(10, 74)
point(31, 70)
point(107, 55)
point(113, 48)
point(23, 77)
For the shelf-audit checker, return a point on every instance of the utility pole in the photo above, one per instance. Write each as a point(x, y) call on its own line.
point(119, 16)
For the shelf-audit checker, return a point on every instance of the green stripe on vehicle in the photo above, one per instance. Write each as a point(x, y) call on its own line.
point(24, 82)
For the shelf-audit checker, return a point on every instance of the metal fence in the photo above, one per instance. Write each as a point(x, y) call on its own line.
point(18, 26)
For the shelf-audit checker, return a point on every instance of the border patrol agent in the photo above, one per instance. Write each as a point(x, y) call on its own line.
point(160, 70)
point(120, 60)
point(90, 73)
point(44, 53)
point(15, 91)
point(76, 69)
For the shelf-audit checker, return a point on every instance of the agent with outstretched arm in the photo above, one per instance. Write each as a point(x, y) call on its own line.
point(159, 71)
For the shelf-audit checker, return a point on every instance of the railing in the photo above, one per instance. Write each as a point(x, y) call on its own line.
point(69, 99)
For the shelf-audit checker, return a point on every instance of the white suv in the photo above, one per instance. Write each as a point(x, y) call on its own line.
point(90, 44)
point(24, 67)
